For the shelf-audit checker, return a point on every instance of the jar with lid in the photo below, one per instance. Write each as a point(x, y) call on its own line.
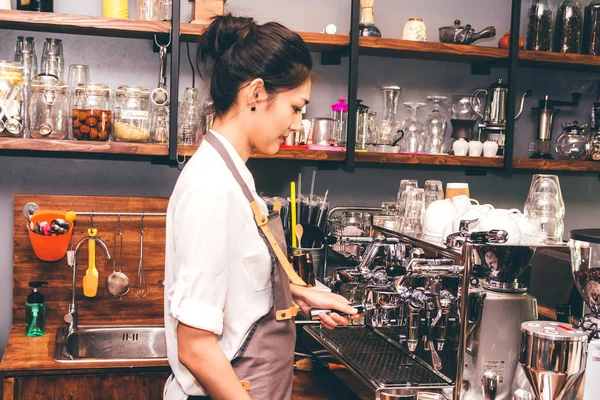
point(539, 26)
point(92, 112)
point(591, 28)
point(339, 113)
point(11, 92)
point(48, 109)
point(574, 142)
point(132, 114)
point(569, 23)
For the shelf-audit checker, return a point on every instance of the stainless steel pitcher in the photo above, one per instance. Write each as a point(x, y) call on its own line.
point(494, 115)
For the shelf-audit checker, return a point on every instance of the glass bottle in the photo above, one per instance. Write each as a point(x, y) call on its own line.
point(36, 5)
point(568, 26)
point(92, 112)
point(12, 107)
point(539, 26)
point(48, 110)
point(367, 27)
point(435, 127)
point(132, 114)
point(591, 28)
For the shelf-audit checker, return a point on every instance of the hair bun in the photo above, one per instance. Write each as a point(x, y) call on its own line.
point(223, 32)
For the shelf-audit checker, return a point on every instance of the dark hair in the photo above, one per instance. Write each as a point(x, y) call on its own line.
point(243, 50)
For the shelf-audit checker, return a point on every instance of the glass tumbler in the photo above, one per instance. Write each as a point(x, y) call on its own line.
point(414, 210)
point(148, 10)
point(189, 117)
point(53, 62)
point(433, 192)
point(159, 126)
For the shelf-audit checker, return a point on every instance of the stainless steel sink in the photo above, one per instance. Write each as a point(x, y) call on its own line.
point(111, 343)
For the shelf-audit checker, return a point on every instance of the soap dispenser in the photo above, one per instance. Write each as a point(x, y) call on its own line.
point(35, 314)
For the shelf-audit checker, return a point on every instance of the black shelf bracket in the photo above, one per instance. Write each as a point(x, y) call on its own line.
point(352, 84)
point(174, 81)
point(513, 59)
point(331, 58)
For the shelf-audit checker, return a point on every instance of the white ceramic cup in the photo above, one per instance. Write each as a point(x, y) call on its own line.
point(506, 220)
point(462, 204)
point(437, 215)
point(5, 5)
point(460, 147)
point(490, 149)
point(475, 148)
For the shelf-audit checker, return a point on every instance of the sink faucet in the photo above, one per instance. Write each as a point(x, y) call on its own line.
point(71, 316)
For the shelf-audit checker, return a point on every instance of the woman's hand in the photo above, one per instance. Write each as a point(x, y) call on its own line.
point(308, 299)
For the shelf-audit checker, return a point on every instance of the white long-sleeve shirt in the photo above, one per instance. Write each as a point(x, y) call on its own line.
point(217, 266)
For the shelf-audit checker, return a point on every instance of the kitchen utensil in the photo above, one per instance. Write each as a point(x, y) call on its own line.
point(494, 114)
point(141, 289)
point(367, 27)
point(90, 280)
point(574, 142)
point(545, 112)
point(117, 283)
point(299, 233)
point(293, 211)
point(464, 34)
point(310, 196)
point(160, 96)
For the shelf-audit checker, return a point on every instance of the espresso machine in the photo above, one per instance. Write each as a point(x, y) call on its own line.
point(494, 114)
point(497, 307)
point(545, 112)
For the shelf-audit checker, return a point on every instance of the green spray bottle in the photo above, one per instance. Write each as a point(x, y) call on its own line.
point(35, 311)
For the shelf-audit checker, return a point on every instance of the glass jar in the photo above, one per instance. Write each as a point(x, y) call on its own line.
point(11, 94)
point(189, 117)
point(574, 142)
point(539, 26)
point(92, 112)
point(569, 23)
point(591, 28)
point(48, 109)
point(132, 114)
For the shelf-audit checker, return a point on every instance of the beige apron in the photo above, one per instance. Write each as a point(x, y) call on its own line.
point(265, 362)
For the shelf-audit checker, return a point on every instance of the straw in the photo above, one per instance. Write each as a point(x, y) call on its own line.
point(299, 200)
point(310, 197)
point(322, 208)
point(293, 210)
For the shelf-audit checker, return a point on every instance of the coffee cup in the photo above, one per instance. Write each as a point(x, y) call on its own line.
point(462, 203)
point(437, 215)
point(490, 149)
point(475, 148)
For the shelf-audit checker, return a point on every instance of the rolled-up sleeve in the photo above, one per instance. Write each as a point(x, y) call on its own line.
point(201, 247)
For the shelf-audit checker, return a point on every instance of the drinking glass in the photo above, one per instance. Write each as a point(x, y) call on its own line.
point(461, 107)
point(454, 189)
point(189, 117)
point(544, 183)
point(412, 223)
point(148, 10)
point(405, 184)
point(165, 10)
point(414, 131)
point(159, 125)
point(25, 54)
point(435, 127)
point(53, 62)
point(387, 132)
point(78, 73)
point(433, 192)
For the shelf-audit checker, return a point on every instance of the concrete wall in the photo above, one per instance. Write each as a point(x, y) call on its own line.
point(130, 61)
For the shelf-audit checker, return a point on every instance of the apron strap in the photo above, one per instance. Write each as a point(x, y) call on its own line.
point(260, 219)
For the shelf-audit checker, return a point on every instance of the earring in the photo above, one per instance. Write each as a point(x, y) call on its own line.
point(252, 108)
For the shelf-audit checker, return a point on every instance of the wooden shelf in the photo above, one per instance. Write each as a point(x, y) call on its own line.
point(556, 165)
point(81, 24)
point(429, 159)
point(546, 59)
point(75, 146)
point(283, 154)
point(430, 50)
point(318, 42)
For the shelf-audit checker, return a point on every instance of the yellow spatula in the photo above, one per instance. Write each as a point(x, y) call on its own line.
point(90, 280)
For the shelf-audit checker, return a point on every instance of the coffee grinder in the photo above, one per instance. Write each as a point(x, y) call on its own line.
point(585, 265)
point(545, 112)
point(496, 311)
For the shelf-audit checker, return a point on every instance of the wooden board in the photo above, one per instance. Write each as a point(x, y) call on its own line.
point(81, 24)
point(76, 146)
point(387, 47)
point(556, 165)
point(104, 308)
point(283, 154)
point(551, 60)
point(429, 159)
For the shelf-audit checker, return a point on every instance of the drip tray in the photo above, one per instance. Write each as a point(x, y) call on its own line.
point(376, 360)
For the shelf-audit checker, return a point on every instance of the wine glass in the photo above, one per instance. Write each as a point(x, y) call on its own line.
point(414, 130)
point(435, 127)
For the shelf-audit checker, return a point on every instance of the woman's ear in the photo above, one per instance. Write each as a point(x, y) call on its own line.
point(255, 93)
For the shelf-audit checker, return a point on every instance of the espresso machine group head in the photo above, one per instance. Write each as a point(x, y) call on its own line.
point(545, 112)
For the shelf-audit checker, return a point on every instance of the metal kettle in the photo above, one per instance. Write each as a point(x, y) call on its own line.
point(494, 114)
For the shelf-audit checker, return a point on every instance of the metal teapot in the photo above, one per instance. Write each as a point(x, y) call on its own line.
point(494, 114)
point(464, 34)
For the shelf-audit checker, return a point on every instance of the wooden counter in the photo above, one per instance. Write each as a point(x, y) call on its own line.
point(30, 361)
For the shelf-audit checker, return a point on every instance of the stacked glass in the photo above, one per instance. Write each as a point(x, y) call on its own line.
point(544, 211)
point(414, 210)
point(53, 62)
point(405, 185)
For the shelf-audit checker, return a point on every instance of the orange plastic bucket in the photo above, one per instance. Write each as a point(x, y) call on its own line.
point(49, 248)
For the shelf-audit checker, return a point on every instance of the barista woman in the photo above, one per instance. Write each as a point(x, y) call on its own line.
point(228, 301)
